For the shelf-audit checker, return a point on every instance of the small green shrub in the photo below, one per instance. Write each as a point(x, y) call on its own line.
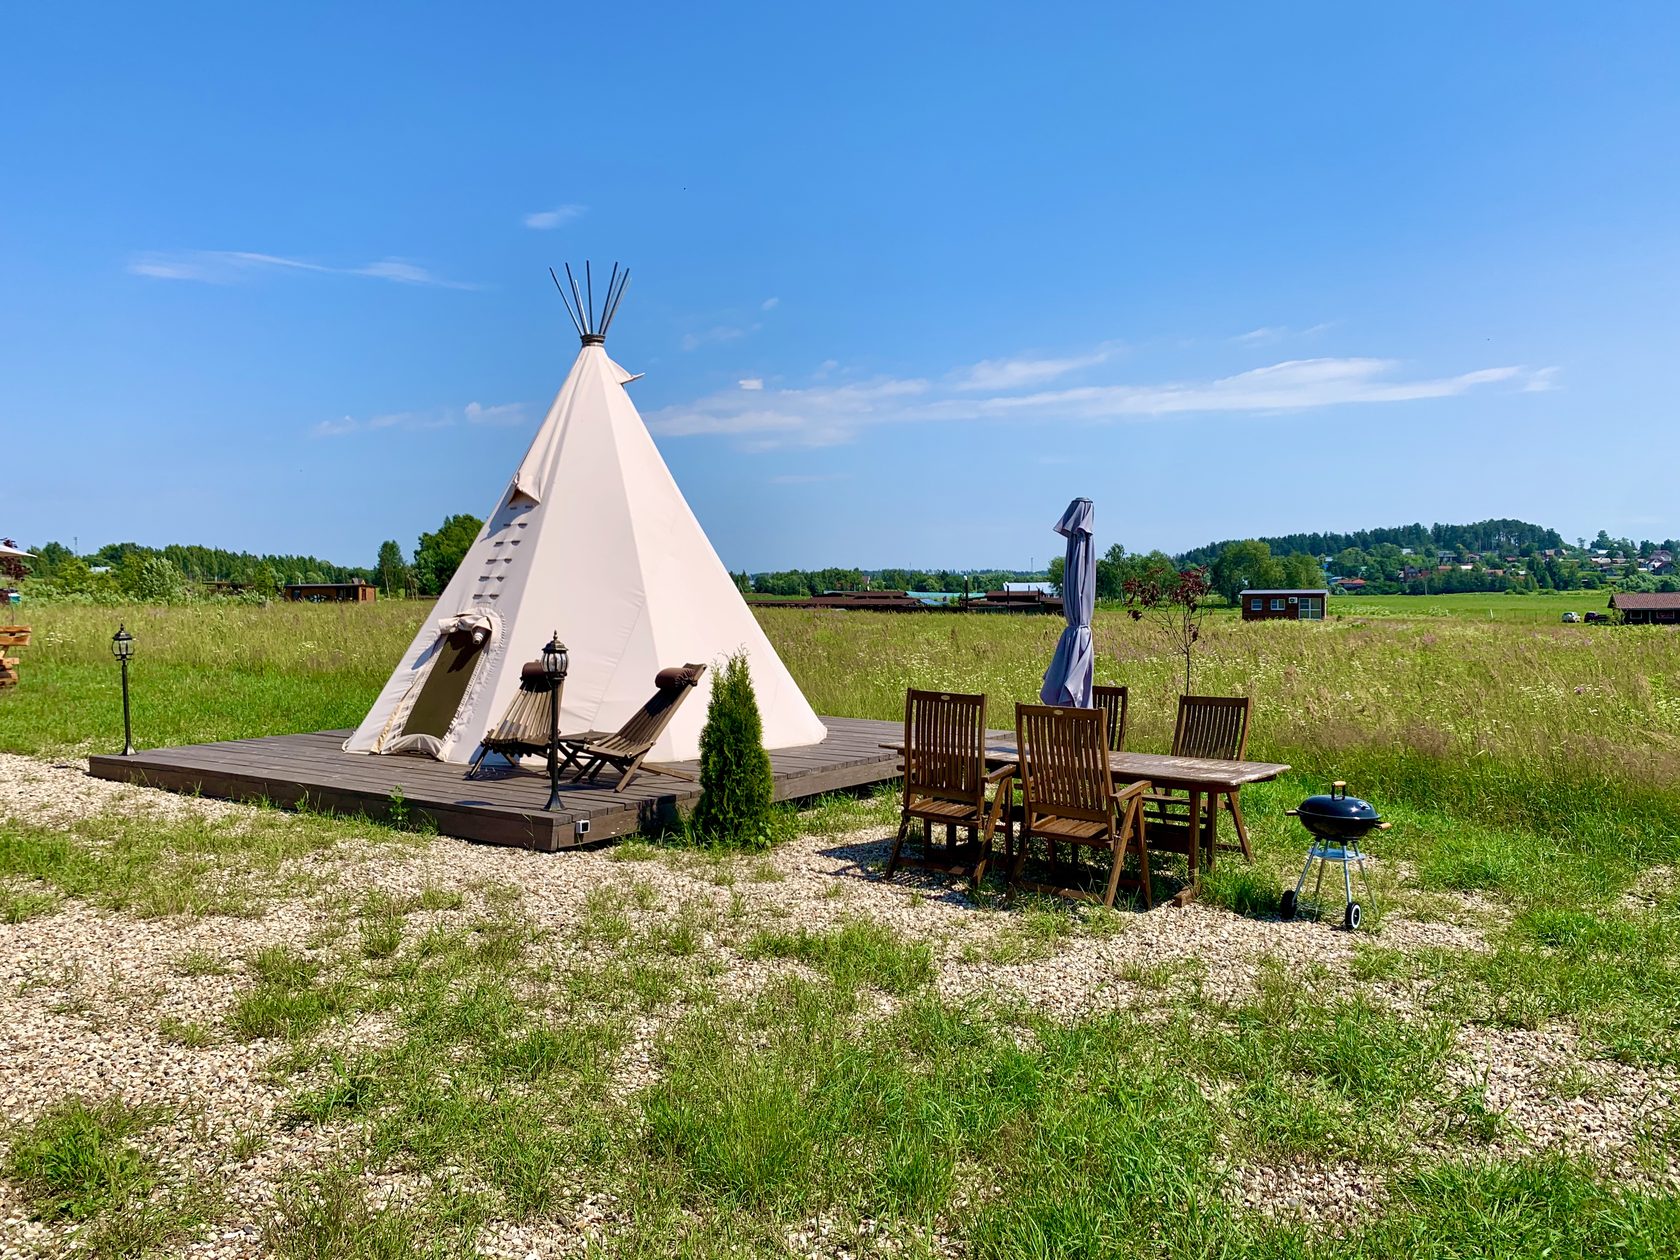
point(736, 787)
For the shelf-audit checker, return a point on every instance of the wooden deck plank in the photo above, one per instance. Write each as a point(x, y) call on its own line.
point(506, 806)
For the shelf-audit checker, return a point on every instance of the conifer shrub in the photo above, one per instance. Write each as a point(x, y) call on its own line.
point(735, 781)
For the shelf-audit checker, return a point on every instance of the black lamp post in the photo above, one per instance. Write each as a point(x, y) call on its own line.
point(122, 647)
point(555, 662)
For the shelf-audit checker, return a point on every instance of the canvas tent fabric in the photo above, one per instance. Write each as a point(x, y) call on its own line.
point(591, 539)
point(1072, 669)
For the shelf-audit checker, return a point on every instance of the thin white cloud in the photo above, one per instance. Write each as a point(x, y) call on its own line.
point(499, 414)
point(1278, 332)
point(751, 383)
point(996, 374)
point(230, 266)
point(472, 413)
point(826, 414)
point(547, 220)
point(770, 304)
point(714, 336)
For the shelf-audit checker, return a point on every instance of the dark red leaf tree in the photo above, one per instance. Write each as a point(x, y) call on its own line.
point(1176, 604)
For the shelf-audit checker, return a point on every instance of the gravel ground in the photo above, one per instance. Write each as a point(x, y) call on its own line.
point(83, 993)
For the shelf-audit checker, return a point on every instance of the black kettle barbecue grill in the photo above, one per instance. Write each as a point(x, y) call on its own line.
point(1338, 822)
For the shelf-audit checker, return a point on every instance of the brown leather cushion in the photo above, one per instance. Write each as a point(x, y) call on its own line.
point(672, 678)
point(533, 677)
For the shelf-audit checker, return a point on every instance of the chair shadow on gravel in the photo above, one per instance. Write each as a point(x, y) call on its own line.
point(867, 861)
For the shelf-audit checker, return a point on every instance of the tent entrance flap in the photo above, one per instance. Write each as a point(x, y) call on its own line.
point(446, 685)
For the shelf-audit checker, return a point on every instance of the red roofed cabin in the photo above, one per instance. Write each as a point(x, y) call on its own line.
point(1647, 608)
point(1284, 605)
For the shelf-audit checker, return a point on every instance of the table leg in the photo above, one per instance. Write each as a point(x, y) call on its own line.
point(1211, 847)
point(1193, 859)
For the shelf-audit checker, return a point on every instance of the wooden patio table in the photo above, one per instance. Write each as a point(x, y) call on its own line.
point(1202, 778)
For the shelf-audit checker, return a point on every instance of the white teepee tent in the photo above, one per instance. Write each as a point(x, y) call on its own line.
point(591, 538)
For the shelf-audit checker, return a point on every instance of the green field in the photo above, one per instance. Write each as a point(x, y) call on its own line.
point(871, 1098)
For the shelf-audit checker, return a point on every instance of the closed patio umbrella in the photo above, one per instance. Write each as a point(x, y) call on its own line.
point(1068, 680)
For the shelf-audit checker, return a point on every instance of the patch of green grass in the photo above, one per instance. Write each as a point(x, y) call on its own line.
point(79, 1162)
point(326, 1216)
point(860, 952)
point(19, 905)
point(78, 1159)
point(287, 1001)
point(1242, 889)
point(200, 962)
point(154, 867)
point(194, 1036)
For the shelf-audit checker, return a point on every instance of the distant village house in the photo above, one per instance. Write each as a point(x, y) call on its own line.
point(1284, 605)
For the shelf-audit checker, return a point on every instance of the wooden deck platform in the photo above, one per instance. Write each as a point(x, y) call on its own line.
point(503, 807)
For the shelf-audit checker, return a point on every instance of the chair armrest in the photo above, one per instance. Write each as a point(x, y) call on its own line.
point(1000, 774)
point(1133, 791)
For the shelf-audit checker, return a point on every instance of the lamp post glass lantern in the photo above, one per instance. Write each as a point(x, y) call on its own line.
point(122, 647)
point(555, 662)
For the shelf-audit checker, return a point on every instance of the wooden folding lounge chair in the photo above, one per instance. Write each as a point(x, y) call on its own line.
point(1068, 795)
point(1113, 701)
point(526, 727)
point(945, 781)
point(1215, 727)
point(626, 748)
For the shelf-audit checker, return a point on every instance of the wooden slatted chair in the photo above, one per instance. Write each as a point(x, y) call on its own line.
point(1215, 727)
point(526, 727)
point(945, 781)
point(1113, 701)
point(626, 749)
point(1068, 795)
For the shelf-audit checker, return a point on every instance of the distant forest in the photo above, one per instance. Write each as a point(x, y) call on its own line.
point(1504, 536)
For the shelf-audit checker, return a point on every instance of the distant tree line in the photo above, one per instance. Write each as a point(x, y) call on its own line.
point(1491, 535)
point(130, 571)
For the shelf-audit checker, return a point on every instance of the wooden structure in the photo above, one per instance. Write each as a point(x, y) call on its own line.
point(1647, 608)
point(1284, 605)
point(1209, 728)
point(1113, 701)
point(353, 592)
point(11, 637)
point(527, 728)
point(945, 782)
point(1014, 602)
point(626, 748)
point(314, 772)
point(1068, 795)
point(867, 601)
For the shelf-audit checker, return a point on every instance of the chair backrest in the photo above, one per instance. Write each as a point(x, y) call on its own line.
point(944, 745)
point(529, 718)
point(1212, 726)
point(1113, 702)
point(1064, 761)
point(648, 723)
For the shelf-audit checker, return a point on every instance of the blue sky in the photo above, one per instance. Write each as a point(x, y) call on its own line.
point(905, 278)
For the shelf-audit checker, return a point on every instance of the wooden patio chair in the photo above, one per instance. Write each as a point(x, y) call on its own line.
point(1069, 795)
point(526, 727)
point(945, 781)
point(1215, 727)
point(1113, 701)
point(626, 748)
